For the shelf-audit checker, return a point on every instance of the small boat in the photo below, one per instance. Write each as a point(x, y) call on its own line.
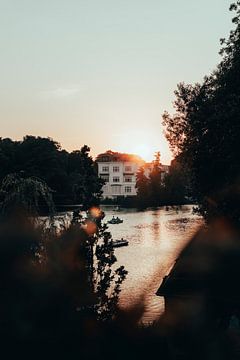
point(117, 208)
point(119, 243)
point(115, 221)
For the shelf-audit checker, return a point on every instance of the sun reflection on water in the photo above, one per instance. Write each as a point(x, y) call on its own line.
point(155, 239)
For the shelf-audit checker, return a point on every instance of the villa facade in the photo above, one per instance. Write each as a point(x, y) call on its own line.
point(119, 172)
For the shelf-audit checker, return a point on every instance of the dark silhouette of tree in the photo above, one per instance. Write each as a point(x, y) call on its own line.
point(72, 176)
point(156, 188)
point(155, 181)
point(85, 186)
point(106, 281)
point(43, 158)
point(8, 157)
point(89, 240)
point(142, 185)
point(176, 185)
point(84, 249)
point(24, 194)
point(206, 130)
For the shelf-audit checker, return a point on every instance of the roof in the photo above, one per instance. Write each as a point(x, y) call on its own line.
point(112, 156)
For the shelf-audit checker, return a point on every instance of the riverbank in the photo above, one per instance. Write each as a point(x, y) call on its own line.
point(131, 202)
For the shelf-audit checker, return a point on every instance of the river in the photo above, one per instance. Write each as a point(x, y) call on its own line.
point(156, 238)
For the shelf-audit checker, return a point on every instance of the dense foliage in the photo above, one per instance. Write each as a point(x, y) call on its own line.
point(94, 245)
point(72, 176)
point(59, 301)
point(25, 195)
point(205, 129)
point(156, 188)
point(56, 283)
point(85, 237)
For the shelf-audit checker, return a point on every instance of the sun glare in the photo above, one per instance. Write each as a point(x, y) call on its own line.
point(145, 144)
point(144, 151)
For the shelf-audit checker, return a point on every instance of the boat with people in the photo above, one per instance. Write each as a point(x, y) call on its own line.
point(115, 220)
point(119, 243)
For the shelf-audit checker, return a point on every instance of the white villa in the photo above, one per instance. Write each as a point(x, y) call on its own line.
point(119, 172)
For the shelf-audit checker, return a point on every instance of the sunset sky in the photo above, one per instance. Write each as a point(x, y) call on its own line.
point(101, 72)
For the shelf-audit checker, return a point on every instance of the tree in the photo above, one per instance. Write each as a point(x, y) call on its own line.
point(176, 187)
point(205, 129)
point(25, 195)
point(42, 157)
point(155, 181)
point(106, 282)
point(72, 176)
point(85, 185)
point(82, 252)
point(142, 186)
point(8, 157)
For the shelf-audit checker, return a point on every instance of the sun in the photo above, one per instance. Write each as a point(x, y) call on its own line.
point(144, 151)
point(144, 144)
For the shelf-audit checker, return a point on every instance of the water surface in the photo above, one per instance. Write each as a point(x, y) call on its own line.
point(155, 239)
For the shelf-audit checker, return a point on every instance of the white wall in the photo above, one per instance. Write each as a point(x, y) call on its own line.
point(127, 171)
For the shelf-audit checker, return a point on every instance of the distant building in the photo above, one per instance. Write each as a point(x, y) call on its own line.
point(119, 171)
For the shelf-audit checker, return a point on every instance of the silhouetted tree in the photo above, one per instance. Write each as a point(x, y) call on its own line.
point(142, 186)
point(176, 185)
point(43, 158)
point(155, 188)
point(206, 130)
point(72, 177)
point(24, 194)
point(89, 245)
point(85, 185)
point(8, 157)
point(155, 181)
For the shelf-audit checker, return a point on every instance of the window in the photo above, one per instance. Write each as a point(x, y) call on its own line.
point(128, 189)
point(105, 169)
point(128, 168)
point(128, 179)
point(105, 177)
point(105, 158)
point(116, 190)
point(116, 179)
point(115, 168)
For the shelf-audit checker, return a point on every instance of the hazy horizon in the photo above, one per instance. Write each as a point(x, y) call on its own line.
point(102, 73)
